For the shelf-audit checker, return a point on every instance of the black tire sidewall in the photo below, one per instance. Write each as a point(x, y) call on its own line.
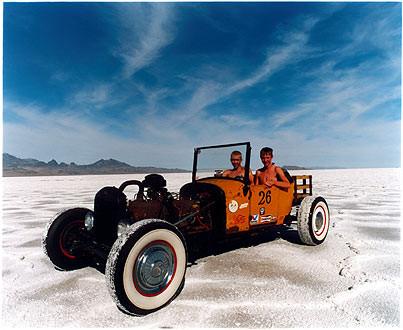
point(311, 212)
point(51, 242)
point(120, 292)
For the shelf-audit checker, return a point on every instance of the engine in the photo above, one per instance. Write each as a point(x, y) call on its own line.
point(111, 208)
point(197, 204)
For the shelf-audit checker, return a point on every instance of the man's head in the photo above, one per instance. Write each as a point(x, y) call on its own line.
point(266, 156)
point(236, 159)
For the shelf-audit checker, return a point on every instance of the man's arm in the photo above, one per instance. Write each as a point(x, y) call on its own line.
point(284, 183)
point(226, 173)
point(256, 178)
point(251, 177)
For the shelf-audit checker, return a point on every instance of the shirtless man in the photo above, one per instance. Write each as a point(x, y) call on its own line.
point(268, 174)
point(238, 170)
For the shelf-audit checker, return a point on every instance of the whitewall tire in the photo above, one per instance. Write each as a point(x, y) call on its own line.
point(146, 267)
point(313, 220)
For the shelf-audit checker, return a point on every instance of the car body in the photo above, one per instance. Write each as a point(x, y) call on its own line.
point(143, 244)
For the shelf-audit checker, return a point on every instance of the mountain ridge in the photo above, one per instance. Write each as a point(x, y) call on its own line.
point(14, 166)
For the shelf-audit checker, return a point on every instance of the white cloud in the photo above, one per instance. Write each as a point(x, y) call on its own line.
point(153, 97)
point(334, 96)
point(287, 117)
point(59, 76)
point(210, 92)
point(143, 30)
point(379, 28)
point(148, 30)
point(97, 95)
point(237, 120)
point(293, 49)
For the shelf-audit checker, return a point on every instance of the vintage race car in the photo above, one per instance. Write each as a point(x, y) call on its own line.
point(143, 244)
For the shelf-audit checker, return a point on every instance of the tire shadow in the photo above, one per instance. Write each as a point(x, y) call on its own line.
point(291, 236)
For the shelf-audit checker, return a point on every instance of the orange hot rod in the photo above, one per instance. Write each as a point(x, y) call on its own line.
point(142, 244)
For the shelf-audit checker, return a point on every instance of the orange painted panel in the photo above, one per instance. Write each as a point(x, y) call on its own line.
point(270, 205)
point(264, 202)
point(236, 204)
point(261, 205)
point(286, 196)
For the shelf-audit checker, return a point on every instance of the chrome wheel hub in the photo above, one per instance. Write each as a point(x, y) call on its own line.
point(154, 268)
point(319, 221)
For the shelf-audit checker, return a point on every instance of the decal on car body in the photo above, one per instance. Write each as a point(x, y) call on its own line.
point(233, 206)
point(242, 206)
point(268, 218)
point(239, 219)
point(255, 219)
point(265, 197)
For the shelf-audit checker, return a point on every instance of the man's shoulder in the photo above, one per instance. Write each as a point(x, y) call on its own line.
point(280, 171)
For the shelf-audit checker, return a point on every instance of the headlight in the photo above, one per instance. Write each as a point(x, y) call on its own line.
point(122, 227)
point(89, 221)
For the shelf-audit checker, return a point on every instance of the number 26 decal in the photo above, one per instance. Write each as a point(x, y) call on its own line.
point(264, 197)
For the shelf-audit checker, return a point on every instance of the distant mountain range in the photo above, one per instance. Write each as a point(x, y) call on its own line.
point(295, 168)
point(14, 166)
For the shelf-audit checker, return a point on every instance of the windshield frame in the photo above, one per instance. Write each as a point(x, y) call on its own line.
point(197, 150)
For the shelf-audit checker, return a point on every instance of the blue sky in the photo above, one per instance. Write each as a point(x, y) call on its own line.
point(144, 83)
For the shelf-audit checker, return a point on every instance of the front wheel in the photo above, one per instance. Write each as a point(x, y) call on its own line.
point(313, 220)
point(63, 234)
point(146, 267)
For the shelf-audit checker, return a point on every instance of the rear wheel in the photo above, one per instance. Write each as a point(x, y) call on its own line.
point(62, 236)
point(313, 220)
point(146, 267)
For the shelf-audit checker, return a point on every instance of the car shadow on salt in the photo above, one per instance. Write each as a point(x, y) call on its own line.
point(203, 247)
point(199, 249)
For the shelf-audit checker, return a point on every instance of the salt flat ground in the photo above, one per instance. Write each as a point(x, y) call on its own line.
point(351, 280)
